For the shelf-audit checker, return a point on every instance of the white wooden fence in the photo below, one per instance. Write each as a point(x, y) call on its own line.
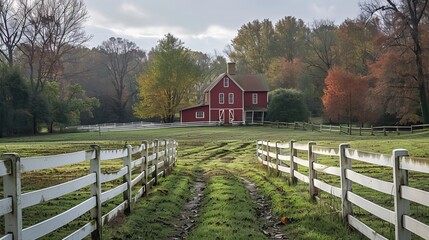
point(113, 127)
point(373, 130)
point(151, 160)
point(284, 158)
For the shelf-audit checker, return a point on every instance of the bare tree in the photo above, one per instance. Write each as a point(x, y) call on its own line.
point(405, 17)
point(54, 28)
point(13, 17)
point(209, 68)
point(320, 44)
point(124, 61)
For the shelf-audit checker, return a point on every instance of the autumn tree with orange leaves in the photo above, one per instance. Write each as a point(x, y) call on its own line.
point(344, 96)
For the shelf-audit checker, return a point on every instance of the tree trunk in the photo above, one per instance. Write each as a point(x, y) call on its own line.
point(51, 127)
point(422, 85)
point(415, 34)
point(35, 124)
point(1, 123)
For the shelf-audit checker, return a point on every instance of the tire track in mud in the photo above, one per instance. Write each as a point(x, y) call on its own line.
point(270, 228)
point(190, 211)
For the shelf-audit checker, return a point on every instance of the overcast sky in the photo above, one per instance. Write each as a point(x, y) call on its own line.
point(202, 25)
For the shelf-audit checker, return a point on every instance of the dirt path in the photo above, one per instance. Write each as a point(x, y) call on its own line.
point(271, 227)
point(190, 211)
point(218, 159)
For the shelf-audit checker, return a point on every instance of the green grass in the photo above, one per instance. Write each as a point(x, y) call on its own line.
point(223, 155)
point(228, 211)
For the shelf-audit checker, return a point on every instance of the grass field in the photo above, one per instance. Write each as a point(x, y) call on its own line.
point(221, 157)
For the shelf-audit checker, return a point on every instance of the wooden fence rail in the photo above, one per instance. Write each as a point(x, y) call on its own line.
point(284, 158)
point(149, 161)
point(350, 129)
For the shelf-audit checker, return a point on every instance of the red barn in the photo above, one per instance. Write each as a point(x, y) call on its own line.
point(231, 98)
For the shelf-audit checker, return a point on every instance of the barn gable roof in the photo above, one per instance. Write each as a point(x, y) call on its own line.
point(252, 82)
point(247, 82)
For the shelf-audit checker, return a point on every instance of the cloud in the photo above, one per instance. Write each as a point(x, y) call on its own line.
point(130, 9)
point(216, 32)
point(322, 11)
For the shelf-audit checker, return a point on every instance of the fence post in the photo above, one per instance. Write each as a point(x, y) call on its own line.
point(145, 166)
point(96, 213)
point(360, 130)
point(397, 130)
point(168, 153)
point(127, 179)
point(372, 130)
point(156, 151)
point(12, 189)
point(257, 152)
point(165, 157)
point(412, 129)
point(346, 185)
point(402, 206)
point(312, 174)
point(320, 127)
point(174, 151)
point(293, 165)
point(173, 148)
point(340, 129)
point(277, 159)
point(268, 158)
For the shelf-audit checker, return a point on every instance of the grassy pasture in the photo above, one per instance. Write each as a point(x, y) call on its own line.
point(223, 155)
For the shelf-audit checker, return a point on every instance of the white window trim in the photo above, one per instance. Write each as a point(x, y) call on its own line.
point(221, 98)
point(196, 114)
point(226, 82)
point(231, 98)
point(254, 99)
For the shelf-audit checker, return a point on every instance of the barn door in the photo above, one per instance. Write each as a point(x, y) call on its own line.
point(231, 115)
point(221, 115)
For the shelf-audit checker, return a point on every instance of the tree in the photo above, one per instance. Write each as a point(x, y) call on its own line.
point(344, 96)
point(355, 45)
point(290, 35)
point(55, 28)
point(253, 46)
point(405, 19)
point(167, 82)
point(209, 68)
point(284, 74)
point(124, 62)
point(13, 19)
point(321, 44)
point(14, 96)
point(287, 105)
point(66, 107)
point(395, 92)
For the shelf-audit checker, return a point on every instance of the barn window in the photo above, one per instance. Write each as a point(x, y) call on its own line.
point(255, 98)
point(231, 98)
point(226, 82)
point(199, 115)
point(221, 98)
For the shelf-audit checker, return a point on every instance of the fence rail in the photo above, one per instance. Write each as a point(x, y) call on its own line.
point(350, 129)
point(111, 127)
point(283, 157)
point(149, 160)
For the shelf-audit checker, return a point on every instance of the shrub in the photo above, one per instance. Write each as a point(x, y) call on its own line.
point(287, 105)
